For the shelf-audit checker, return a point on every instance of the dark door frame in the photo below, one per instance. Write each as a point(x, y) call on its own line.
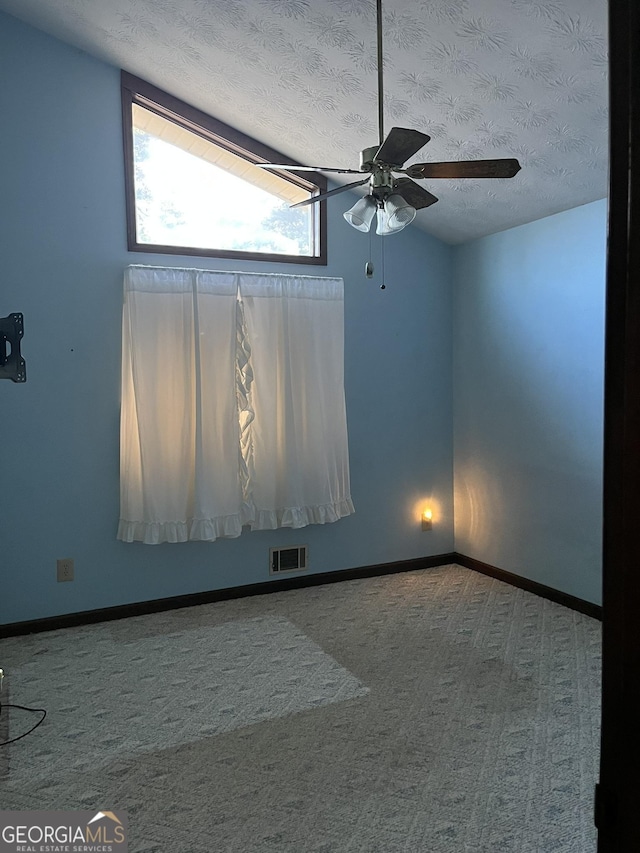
point(618, 800)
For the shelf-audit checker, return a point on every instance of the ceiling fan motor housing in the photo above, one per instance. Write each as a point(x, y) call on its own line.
point(382, 182)
point(366, 158)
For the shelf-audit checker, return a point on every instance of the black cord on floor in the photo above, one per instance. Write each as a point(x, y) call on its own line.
point(32, 729)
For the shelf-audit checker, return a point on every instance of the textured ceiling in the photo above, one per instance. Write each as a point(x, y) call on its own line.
point(484, 78)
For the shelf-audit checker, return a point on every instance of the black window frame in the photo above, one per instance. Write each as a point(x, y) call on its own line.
point(137, 91)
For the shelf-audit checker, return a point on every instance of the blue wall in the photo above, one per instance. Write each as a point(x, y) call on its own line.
point(63, 249)
point(528, 399)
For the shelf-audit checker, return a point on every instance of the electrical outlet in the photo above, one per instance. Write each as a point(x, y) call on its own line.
point(65, 569)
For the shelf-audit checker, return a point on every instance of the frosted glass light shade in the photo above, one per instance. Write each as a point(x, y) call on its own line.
point(399, 212)
point(383, 227)
point(361, 214)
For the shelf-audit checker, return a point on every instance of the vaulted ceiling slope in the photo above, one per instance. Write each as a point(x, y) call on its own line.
point(484, 78)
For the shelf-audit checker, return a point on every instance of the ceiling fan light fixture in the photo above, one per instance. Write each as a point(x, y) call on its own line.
point(360, 216)
point(399, 212)
point(394, 217)
point(383, 226)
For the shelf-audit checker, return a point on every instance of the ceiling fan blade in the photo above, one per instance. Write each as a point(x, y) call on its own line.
point(413, 193)
point(291, 168)
point(400, 144)
point(322, 196)
point(466, 169)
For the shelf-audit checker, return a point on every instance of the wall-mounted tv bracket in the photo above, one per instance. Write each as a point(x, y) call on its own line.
point(12, 364)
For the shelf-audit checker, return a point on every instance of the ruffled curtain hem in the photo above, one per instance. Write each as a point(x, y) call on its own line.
point(230, 527)
point(301, 516)
point(201, 529)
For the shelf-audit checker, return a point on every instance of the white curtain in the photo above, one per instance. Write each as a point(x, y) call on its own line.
point(233, 408)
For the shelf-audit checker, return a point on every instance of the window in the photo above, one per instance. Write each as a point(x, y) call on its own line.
point(233, 409)
point(193, 188)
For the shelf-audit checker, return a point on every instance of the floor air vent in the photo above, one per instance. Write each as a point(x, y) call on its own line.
point(283, 560)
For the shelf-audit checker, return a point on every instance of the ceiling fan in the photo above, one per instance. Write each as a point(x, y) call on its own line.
point(396, 200)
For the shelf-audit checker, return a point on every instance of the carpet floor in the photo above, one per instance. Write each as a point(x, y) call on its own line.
point(437, 711)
